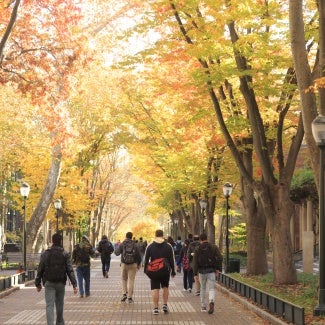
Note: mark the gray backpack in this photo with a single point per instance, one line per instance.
(128, 254)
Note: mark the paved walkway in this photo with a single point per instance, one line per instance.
(26, 306)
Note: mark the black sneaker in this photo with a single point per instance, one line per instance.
(124, 297)
(165, 309)
(155, 311)
(130, 300)
(211, 308)
(197, 293)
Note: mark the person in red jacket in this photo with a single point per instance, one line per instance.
(157, 249)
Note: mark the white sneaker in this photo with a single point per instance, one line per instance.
(165, 309)
(189, 290)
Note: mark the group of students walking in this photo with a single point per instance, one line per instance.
(204, 262)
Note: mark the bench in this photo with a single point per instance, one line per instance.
(32, 259)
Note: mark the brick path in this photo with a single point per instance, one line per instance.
(26, 306)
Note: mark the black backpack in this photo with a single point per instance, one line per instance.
(206, 256)
(128, 254)
(55, 265)
(106, 247)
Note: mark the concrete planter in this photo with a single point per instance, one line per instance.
(2, 284)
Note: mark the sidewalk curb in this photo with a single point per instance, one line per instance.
(13, 289)
(247, 304)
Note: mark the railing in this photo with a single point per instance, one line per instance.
(287, 310)
(17, 258)
(16, 279)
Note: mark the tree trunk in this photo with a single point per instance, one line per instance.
(39, 214)
(210, 227)
(304, 79)
(279, 209)
(255, 218)
(256, 227)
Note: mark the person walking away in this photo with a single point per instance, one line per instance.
(177, 248)
(81, 258)
(190, 253)
(142, 245)
(159, 248)
(184, 263)
(170, 241)
(130, 264)
(116, 245)
(54, 268)
(105, 248)
(207, 262)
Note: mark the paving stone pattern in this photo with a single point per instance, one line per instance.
(27, 306)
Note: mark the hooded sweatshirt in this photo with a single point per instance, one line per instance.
(83, 248)
(157, 249)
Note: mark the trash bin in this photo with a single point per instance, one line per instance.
(234, 265)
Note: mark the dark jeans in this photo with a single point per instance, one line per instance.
(188, 279)
(106, 263)
(83, 275)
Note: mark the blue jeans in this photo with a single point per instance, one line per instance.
(207, 280)
(83, 276)
(106, 263)
(54, 294)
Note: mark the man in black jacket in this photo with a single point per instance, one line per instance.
(207, 263)
(105, 248)
(157, 249)
(54, 267)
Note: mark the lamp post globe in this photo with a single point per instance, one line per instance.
(227, 190)
(24, 191)
(318, 129)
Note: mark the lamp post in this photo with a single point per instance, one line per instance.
(227, 190)
(203, 206)
(176, 225)
(24, 191)
(318, 129)
(57, 205)
(170, 226)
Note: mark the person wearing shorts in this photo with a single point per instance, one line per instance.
(157, 249)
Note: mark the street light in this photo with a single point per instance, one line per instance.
(227, 190)
(203, 205)
(57, 205)
(176, 224)
(24, 191)
(318, 129)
